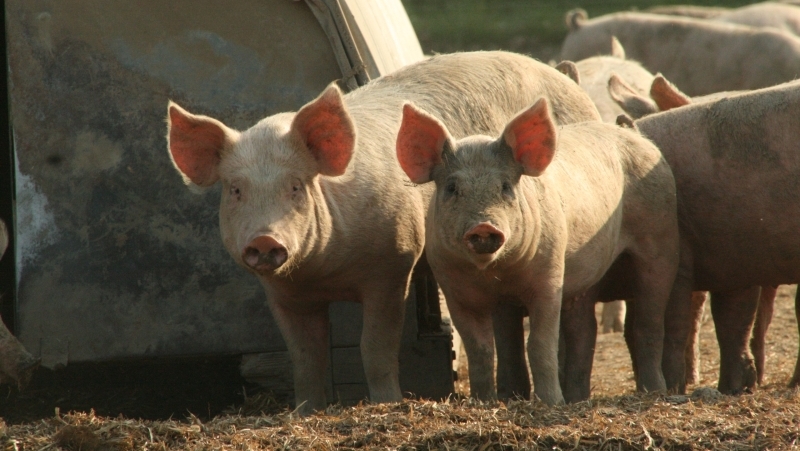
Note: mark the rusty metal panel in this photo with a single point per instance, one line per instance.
(115, 257)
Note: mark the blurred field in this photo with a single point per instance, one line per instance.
(533, 27)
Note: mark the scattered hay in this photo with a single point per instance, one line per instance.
(769, 419)
(614, 419)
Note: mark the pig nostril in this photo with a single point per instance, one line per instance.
(271, 257)
(277, 257)
(487, 243)
(251, 256)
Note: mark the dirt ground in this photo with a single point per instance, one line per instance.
(615, 417)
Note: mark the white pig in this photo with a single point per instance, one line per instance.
(315, 205)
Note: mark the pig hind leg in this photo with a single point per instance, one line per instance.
(655, 267)
(734, 313)
(766, 305)
(512, 371)
(579, 329)
(678, 323)
(692, 356)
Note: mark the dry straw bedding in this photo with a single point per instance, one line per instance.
(613, 419)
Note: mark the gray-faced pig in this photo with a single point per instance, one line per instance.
(539, 214)
(315, 205)
(16, 364)
(736, 165)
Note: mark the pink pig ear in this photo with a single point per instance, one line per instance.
(196, 144)
(420, 142)
(666, 95)
(532, 137)
(328, 131)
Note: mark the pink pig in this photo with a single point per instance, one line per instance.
(315, 205)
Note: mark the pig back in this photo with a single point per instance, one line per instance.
(699, 56)
(736, 163)
(471, 93)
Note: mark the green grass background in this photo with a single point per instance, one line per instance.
(534, 27)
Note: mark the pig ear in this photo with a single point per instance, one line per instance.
(625, 121)
(532, 137)
(666, 95)
(325, 127)
(420, 143)
(569, 69)
(196, 144)
(628, 99)
(617, 50)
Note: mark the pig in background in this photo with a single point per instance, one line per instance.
(16, 364)
(665, 96)
(315, 205)
(783, 16)
(592, 75)
(700, 56)
(539, 214)
(736, 165)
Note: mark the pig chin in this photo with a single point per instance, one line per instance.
(483, 261)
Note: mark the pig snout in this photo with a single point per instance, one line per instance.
(484, 238)
(264, 253)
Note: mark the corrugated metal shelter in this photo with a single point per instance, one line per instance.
(114, 257)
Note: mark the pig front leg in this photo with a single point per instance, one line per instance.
(509, 334)
(380, 342)
(472, 317)
(579, 328)
(544, 315)
(734, 313)
(766, 305)
(306, 332)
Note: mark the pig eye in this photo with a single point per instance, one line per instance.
(297, 188)
(450, 189)
(235, 192)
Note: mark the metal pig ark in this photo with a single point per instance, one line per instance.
(113, 258)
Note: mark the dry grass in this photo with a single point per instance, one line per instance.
(614, 418)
